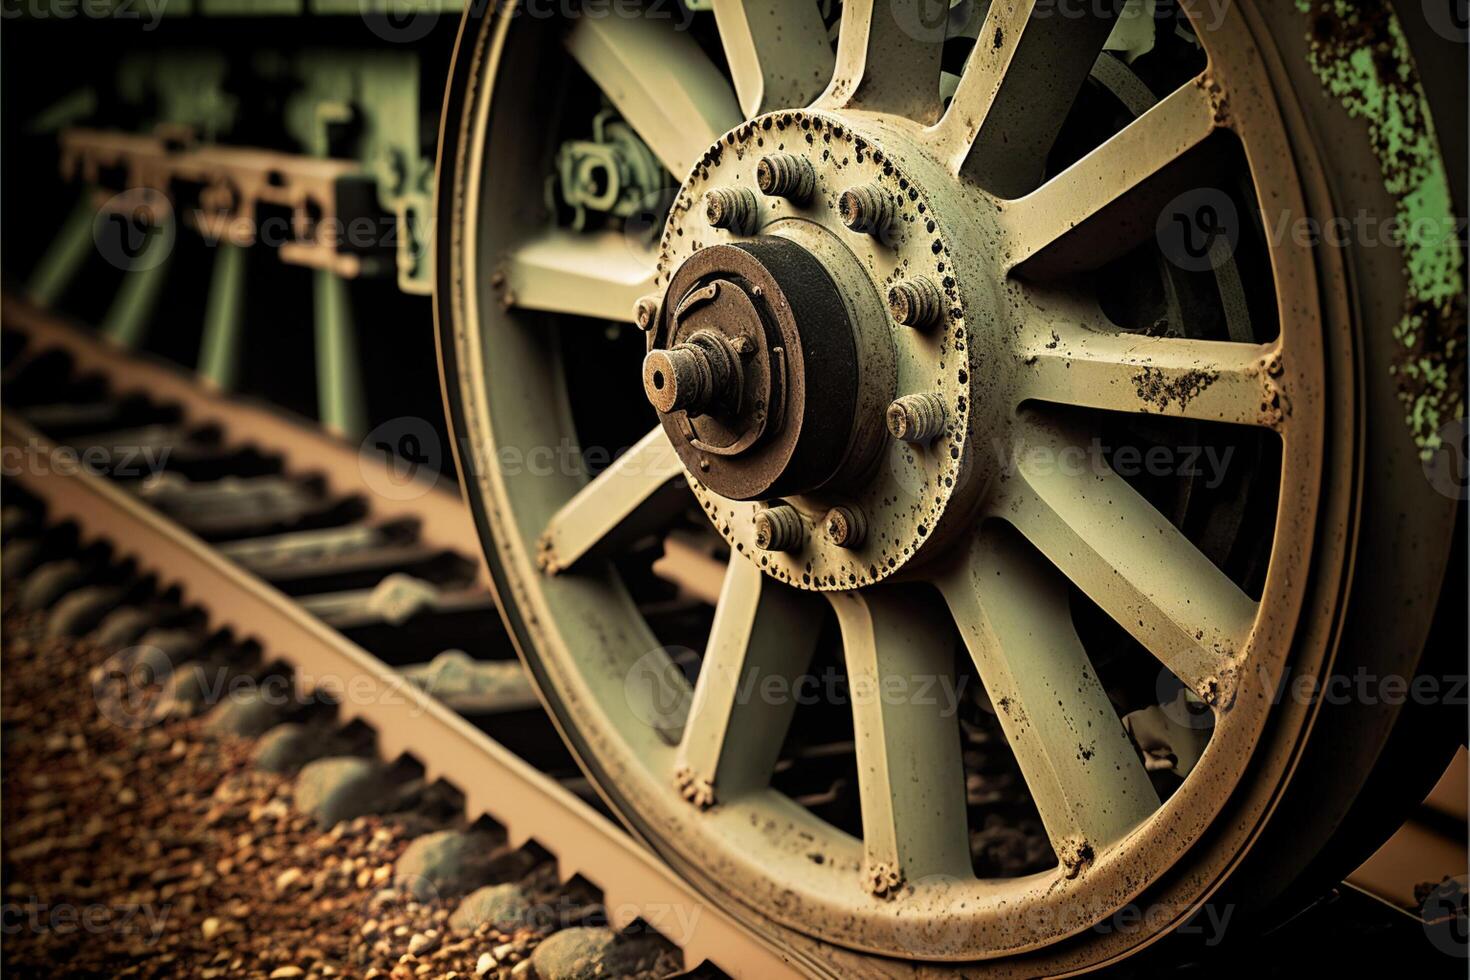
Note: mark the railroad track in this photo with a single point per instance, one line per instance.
(528, 802)
(284, 591)
(985, 356)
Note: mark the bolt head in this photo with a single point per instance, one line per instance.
(916, 302)
(645, 313)
(779, 528)
(867, 209)
(917, 418)
(732, 208)
(846, 526)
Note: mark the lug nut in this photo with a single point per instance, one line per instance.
(694, 376)
(645, 313)
(786, 175)
(846, 526)
(779, 528)
(916, 418)
(866, 208)
(731, 208)
(916, 302)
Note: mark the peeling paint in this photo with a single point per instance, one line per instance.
(883, 880)
(1362, 58)
(695, 788)
(1159, 388)
(1075, 854)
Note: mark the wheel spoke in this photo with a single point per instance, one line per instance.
(661, 82)
(778, 51)
(910, 777)
(1108, 202)
(1207, 380)
(597, 275)
(1018, 85)
(762, 629)
(629, 497)
(888, 58)
(1130, 560)
(1084, 773)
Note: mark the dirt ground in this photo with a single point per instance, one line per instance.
(162, 851)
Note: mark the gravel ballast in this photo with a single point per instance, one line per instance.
(135, 846)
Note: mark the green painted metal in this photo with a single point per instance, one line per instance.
(1363, 59)
(129, 316)
(340, 404)
(180, 88)
(381, 89)
(251, 8)
(612, 173)
(219, 352)
(65, 256)
(70, 109)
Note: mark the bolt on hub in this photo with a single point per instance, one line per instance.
(822, 441)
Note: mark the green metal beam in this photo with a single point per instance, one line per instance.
(66, 254)
(339, 395)
(128, 318)
(219, 350)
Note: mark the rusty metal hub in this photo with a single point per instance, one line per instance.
(753, 370)
(810, 350)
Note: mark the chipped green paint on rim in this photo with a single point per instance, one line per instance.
(1362, 58)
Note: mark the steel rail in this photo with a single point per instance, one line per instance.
(528, 804)
(445, 523)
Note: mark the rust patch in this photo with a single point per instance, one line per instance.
(1219, 101)
(1160, 389)
(695, 788)
(1218, 691)
(546, 560)
(883, 880)
(1360, 54)
(1075, 855)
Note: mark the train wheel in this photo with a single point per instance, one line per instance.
(1003, 460)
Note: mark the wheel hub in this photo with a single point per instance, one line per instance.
(809, 358)
(753, 369)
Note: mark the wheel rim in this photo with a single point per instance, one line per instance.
(905, 887)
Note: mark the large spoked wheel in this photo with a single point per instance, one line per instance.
(1001, 469)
